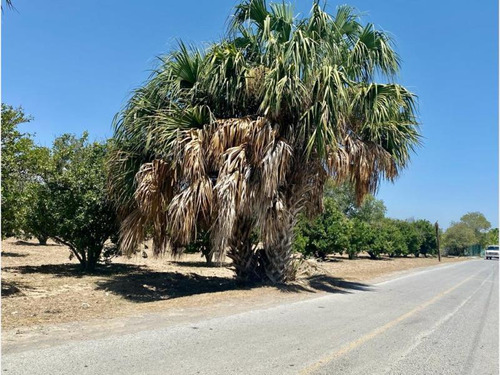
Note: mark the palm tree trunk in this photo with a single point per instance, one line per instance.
(242, 252)
(208, 254)
(277, 257)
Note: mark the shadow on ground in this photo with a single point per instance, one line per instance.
(13, 255)
(36, 244)
(74, 270)
(12, 288)
(154, 286)
(334, 258)
(201, 264)
(140, 284)
(148, 286)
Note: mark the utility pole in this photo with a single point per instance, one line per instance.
(437, 240)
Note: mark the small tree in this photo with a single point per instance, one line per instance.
(327, 234)
(75, 207)
(370, 210)
(36, 197)
(395, 240)
(17, 163)
(361, 239)
(381, 240)
(387, 239)
(479, 224)
(458, 237)
(492, 237)
(411, 238)
(427, 234)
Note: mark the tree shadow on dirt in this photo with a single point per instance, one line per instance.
(201, 263)
(75, 270)
(323, 283)
(140, 284)
(334, 258)
(148, 286)
(36, 244)
(13, 288)
(13, 255)
(155, 286)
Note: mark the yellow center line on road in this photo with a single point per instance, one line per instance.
(369, 336)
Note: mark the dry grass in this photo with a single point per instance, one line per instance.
(41, 285)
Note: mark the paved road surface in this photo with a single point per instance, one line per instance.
(442, 320)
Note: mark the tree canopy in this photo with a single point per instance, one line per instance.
(75, 204)
(18, 165)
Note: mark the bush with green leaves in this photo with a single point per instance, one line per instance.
(327, 234)
(73, 203)
(370, 210)
(17, 165)
(361, 239)
(471, 230)
(427, 237)
(492, 237)
(458, 237)
(410, 239)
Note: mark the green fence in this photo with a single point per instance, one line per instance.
(474, 250)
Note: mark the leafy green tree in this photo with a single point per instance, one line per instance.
(458, 237)
(427, 236)
(492, 237)
(361, 239)
(344, 195)
(396, 241)
(410, 238)
(327, 234)
(479, 224)
(381, 240)
(74, 206)
(476, 221)
(34, 223)
(17, 166)
(388, 239)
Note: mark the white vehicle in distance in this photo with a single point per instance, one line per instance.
(491, 252)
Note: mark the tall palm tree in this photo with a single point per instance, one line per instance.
(240, 138)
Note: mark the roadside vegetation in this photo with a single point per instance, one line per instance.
(258, 153)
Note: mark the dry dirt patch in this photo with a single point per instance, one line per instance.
(41, 285)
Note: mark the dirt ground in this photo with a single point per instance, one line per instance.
(40, 285)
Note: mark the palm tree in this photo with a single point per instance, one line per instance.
(240, 138)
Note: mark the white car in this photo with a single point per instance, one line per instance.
(491, 252)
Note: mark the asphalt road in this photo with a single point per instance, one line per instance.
(441, 320)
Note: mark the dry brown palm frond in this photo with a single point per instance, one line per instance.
(154, 188)
(232, 196)
(271, 219)
(187, 208)
(152, 195)
(260, 138)
(227, 134)
(193, 156)
(362, 163)
(274, 167)
(310, 199)
(237, 131)
(132, 231)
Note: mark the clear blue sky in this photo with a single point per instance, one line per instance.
(72, 65)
